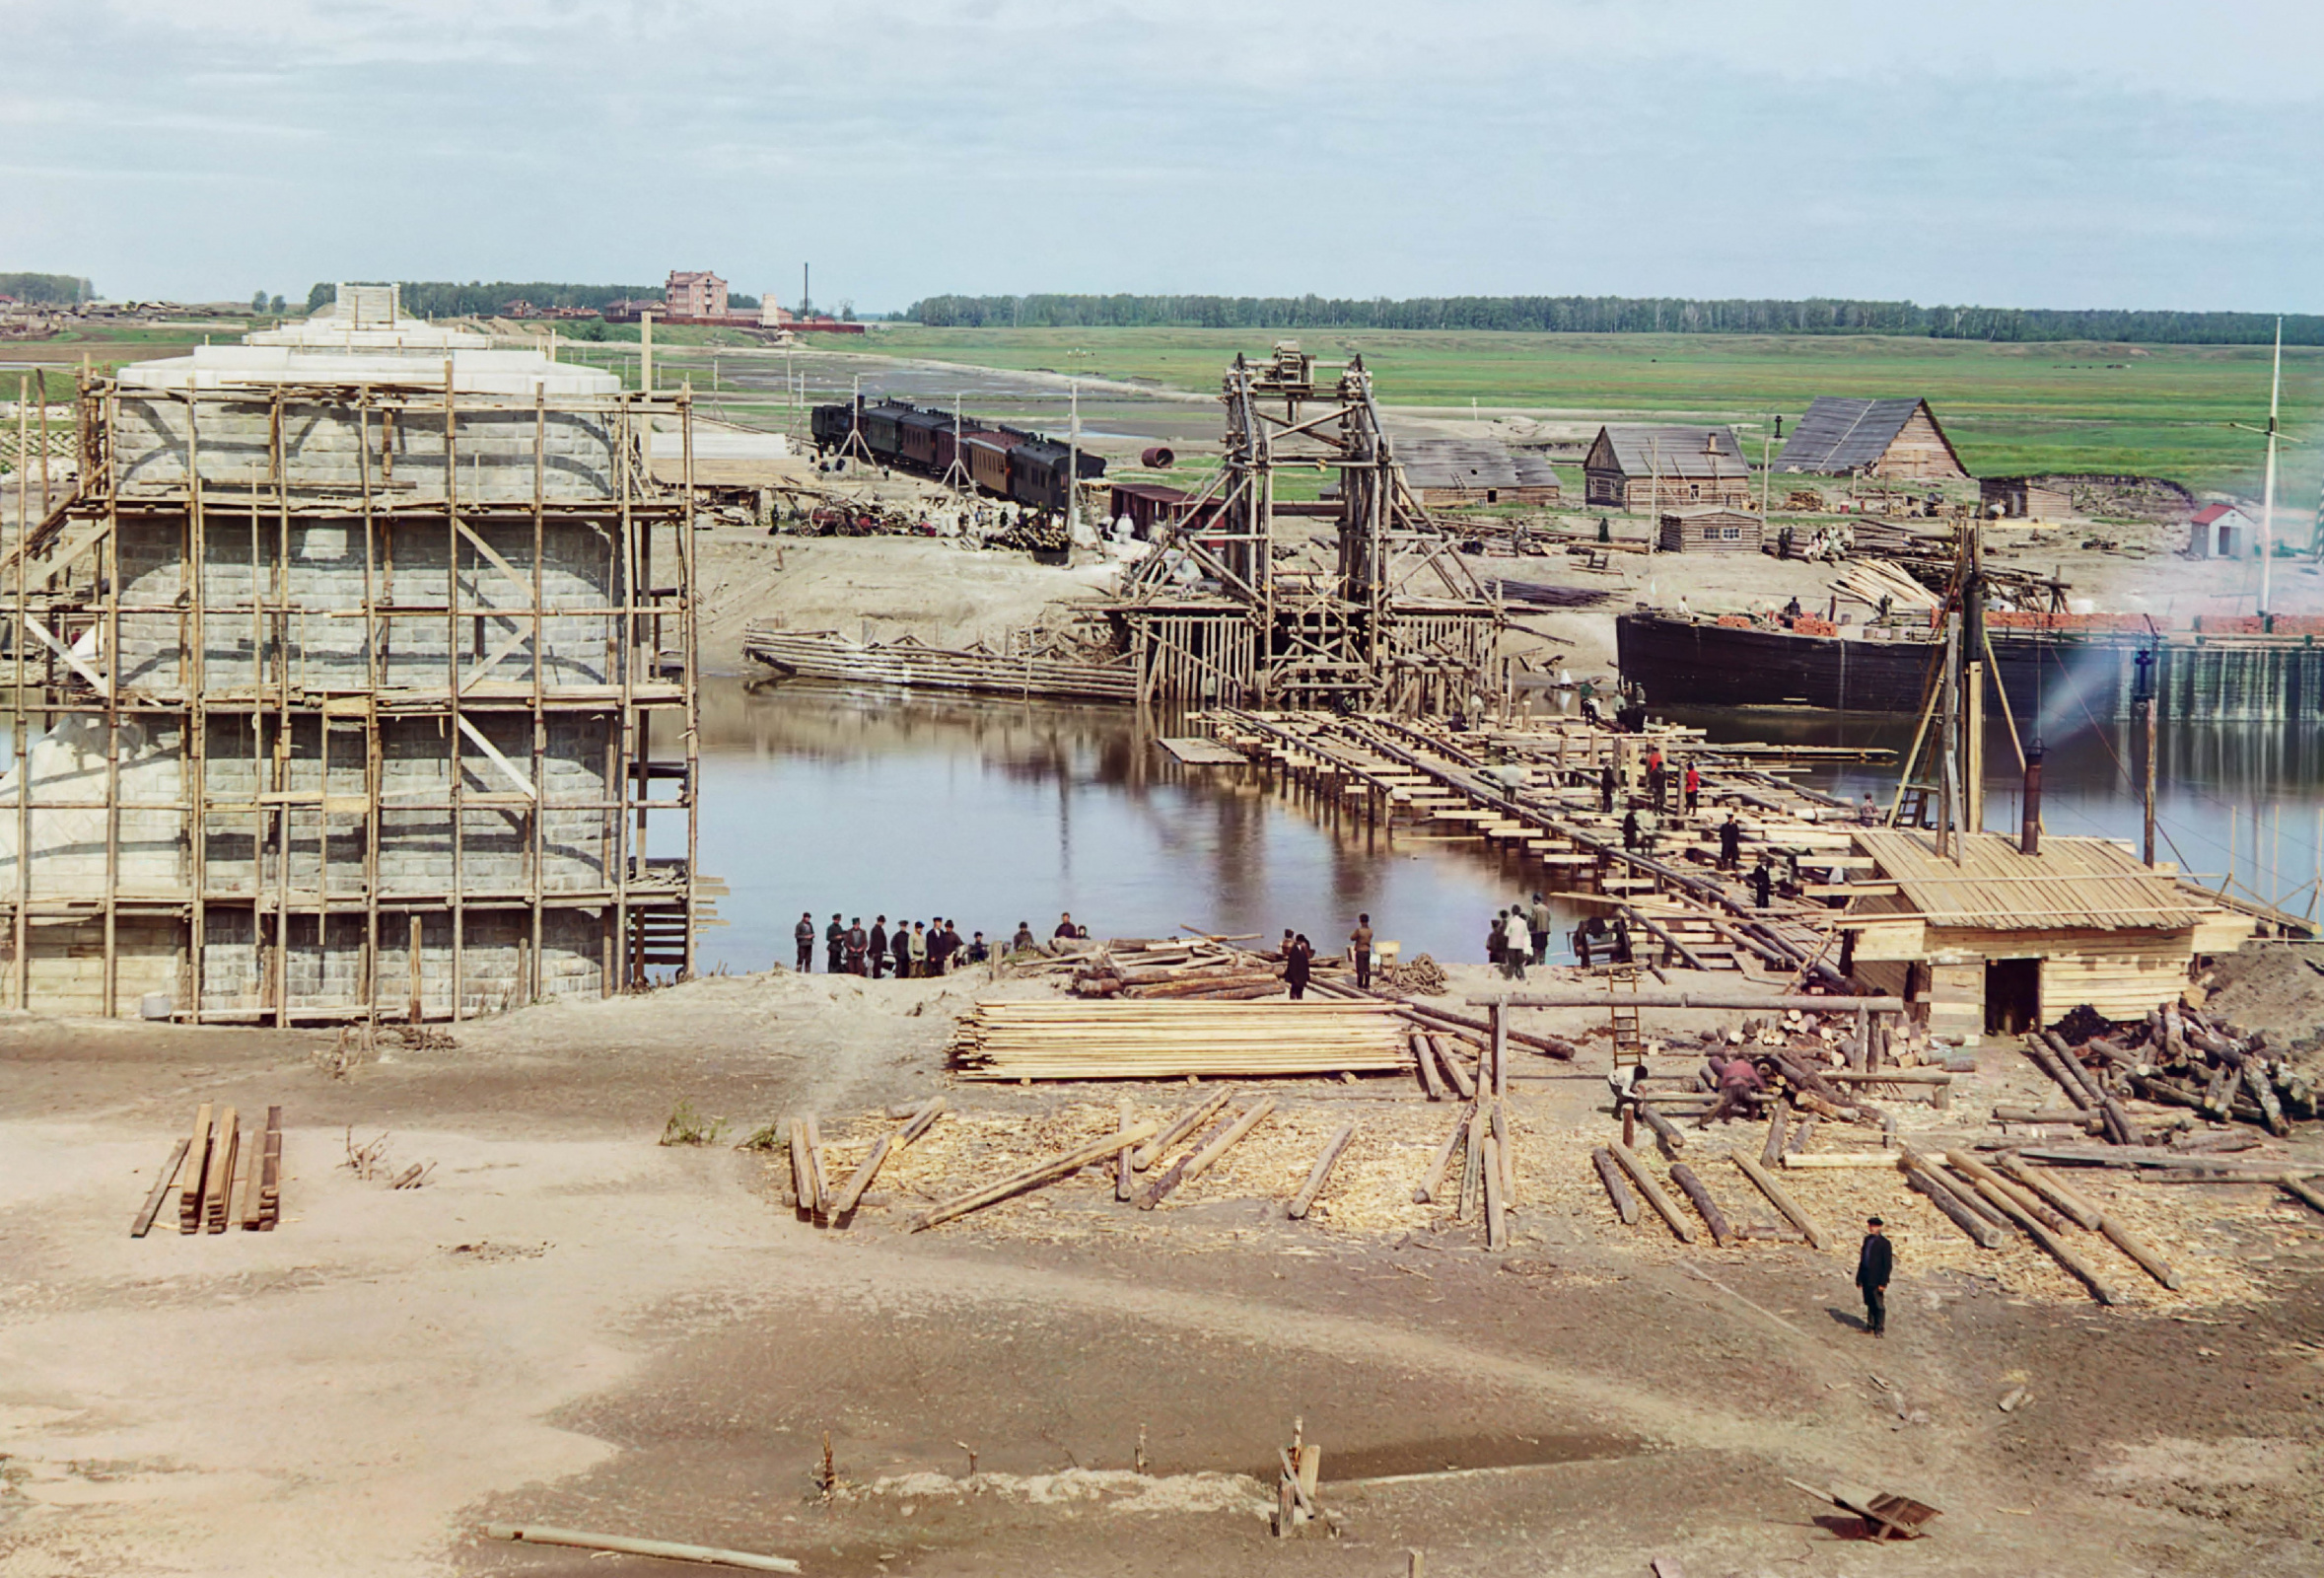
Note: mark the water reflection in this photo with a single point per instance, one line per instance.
(994, 813)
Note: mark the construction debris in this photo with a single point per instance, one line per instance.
(541, 1534)
(223, 1172)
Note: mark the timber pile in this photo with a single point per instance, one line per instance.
(223, 1173)
(827, 655)
(2178, 1056)
(1200, 970)
(1112, 1039)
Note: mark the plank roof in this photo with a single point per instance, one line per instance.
(1839, 435)
(1456, 463)
(1688, 454)
(2073, 883)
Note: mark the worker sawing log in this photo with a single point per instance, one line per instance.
(1057, 1165)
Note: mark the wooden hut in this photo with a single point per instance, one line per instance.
(1652, 468)
(2025, 498)
(1710, 532)
(2003, 941)
(1448, 473)
(1898, 439)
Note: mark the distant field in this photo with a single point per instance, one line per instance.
(2160, 411)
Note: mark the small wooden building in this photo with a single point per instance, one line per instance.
(1898, 439)
(2003, 941)
(1710, 532)
(2221, 531)
(1449, 472)
(1653, 468)
(2025, 498)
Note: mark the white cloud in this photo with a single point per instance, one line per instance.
(2053, 153)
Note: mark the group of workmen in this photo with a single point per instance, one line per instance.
(907, 951)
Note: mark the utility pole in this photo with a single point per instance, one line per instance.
(2268, 504)
(1073, 465)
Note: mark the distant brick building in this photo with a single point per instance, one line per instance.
(694, 293)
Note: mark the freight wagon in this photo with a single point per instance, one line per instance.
(1005, 462)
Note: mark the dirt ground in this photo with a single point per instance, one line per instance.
(569, 1322)
(939, 593)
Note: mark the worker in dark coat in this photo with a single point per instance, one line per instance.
(1630, 830)
(1024, 940)
(1066, 927)
(1621, 955)
(1874, 1260)
(1762, 883)
(899, 949)
(804, 934)
(1296, 964)
(835, 944)
(858, 940)
(878, 954)
(1730, 843)
(1605, 788)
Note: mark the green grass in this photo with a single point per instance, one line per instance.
(2159, 411)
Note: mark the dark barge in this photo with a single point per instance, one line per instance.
(2061, 675)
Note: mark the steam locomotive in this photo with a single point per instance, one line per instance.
(1005, 462)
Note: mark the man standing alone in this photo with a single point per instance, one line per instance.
(1873, 1261)
(1360, 947)
(804, 934)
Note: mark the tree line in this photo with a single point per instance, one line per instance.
(1614, 314)
(430, 298)
(47, 290)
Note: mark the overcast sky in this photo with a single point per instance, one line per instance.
(2132, 153)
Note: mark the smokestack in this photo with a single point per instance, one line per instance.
(2029, 838)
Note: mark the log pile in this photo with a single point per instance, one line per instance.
(223, 1174)
(2178, 1056)
(1198, 970)
(1113, 1038)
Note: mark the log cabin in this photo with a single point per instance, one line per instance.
(1653, 468)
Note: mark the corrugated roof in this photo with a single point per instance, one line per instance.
(2073, 883)
(1839, 435)
(1691, 454)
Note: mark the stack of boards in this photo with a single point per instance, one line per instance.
(1111, 1038)
(222, 1173)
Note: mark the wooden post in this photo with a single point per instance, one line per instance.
(1498, 1013)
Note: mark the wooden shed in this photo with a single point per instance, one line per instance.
(2221, 531)
(1653, 468)
(2025, 498)
(1710, 532)
(2003, 941)
(1445, 472)
(1898, 439)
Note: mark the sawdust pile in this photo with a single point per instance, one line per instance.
(2277, 988)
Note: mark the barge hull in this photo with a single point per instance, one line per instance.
(2060, 678)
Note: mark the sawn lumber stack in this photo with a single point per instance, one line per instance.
(1115, 1039)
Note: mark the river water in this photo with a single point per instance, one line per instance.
(992, 812)
(996, 812)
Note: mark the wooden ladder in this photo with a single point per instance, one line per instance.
(1913, 808)
(1629, 1043)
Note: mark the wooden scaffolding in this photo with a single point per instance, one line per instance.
(1229, 612)
(338, 700)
